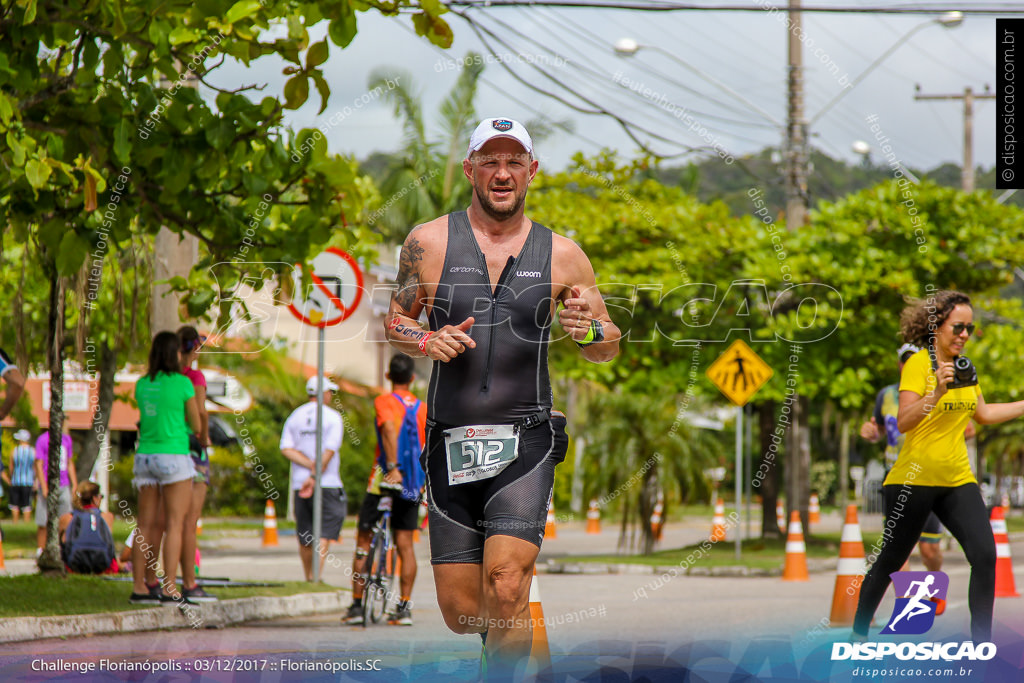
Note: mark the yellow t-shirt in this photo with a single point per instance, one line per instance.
(934, 452)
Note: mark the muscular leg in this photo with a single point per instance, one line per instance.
(963, 512)
(359, 563)
(459, 595)
(507, 573)
(931, 555)
(306, 556)
(407, 554)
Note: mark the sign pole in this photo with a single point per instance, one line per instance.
(317, 492)
(335, 295)
(739, 473)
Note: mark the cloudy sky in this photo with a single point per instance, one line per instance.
(569, 52)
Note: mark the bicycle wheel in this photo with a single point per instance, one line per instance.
(376, 591)
(371, 593)
(389, 580)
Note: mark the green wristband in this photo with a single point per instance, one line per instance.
(594, 334)
(589, 339)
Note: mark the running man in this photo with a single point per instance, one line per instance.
(489, 280)
(915, 605)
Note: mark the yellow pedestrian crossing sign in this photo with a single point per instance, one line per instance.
(739, 373)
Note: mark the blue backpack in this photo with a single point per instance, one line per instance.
(89, 545)
(409, 448)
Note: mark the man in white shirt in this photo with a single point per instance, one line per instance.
(298, 444)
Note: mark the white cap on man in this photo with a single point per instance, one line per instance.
(499, 128)
(22, 435)
(311, 386)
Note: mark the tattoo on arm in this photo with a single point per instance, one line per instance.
(414, 333)
(408, 274)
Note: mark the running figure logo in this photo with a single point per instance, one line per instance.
(917, 595)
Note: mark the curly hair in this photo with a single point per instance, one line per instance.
(922, 317)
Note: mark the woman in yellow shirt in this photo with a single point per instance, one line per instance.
(932, 472)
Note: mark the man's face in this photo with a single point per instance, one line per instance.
(501, 172)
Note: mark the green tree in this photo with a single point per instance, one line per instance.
(423, 181)
(100, 137)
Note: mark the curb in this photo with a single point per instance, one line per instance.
(733, 571)
(208, 615)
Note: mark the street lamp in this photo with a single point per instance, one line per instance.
(627, 47)
(947, 19)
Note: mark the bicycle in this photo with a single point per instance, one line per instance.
(381, 560)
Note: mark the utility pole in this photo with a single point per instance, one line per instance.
(798, 442)
(174, 255)
(968, 96)
(796, 137)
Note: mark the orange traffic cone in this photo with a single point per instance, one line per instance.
(540, 651)
(780, 516)
(718, 522)
(813, 510)
(199, 527)
(1005, 586)
(593, 518)
(796, 552)
(848, 573)
(269, 525)
(549, 525)
(656, 517)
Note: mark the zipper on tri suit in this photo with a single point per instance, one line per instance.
(505, 274)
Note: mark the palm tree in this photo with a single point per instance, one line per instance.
(420, 184)
(642, 447)
(423, 181)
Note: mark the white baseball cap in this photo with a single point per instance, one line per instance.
(22, 435)
(905, 350)
(311, 385)
(499, 128)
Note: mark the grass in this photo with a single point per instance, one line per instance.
(34, 595)
(20, 538)
(755, 553)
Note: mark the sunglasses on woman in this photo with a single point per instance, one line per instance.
(958, 329)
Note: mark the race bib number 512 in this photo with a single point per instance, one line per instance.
(479, 452)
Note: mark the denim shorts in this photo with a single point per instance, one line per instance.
(162, 468)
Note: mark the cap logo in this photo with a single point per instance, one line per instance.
(503, 125)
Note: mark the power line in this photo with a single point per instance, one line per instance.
(1000, 10)
(602, 80)
(626, 126)
(504, 91)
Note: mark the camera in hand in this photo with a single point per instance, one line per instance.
(964, 373)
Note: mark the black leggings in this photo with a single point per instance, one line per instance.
(962, 510)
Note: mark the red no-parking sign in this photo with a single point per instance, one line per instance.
(336, 291)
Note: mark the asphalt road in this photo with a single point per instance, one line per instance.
(601, 627)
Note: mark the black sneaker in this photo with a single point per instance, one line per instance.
(402, 616)
(355, 616)
(144, 599)
(172, 600)
(197, 594)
